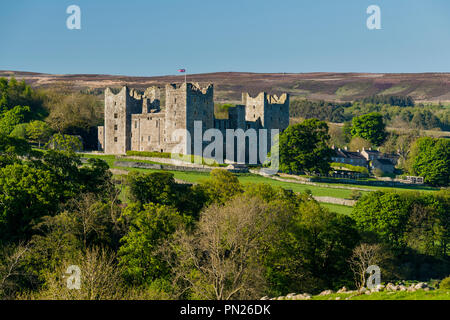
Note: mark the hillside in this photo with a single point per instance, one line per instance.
(433, 87)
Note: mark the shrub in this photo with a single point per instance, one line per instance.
(149, 154)
(355, 195)
(350, 167)
(445, 283)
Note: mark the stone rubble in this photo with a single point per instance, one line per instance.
(389, 287)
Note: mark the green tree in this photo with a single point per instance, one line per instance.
(149, 228)
(26, 194)
(384, 215)
(303, 148)
(220, 187)
(370, 127)
(64, 142)
(311, 252)
(38, 131)
(430, 158)
(12, 118)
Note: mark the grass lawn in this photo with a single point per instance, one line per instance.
(320, 191)
(338, 208)
(441, 294)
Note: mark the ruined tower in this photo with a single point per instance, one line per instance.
(185, 104)
(118, 110)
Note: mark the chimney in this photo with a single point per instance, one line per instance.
(357, 150)
(345, 148)
(364, 148)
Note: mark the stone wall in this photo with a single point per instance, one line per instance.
(134, 121)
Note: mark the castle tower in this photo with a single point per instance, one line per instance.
(151, 100)
(268, 111)
(118, 110)
(185, 104)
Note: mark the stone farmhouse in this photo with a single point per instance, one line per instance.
(371, 159)
(136, 121)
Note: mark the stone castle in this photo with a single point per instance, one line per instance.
(135, 121)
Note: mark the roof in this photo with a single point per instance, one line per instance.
(371, 151)
(385, 162)
(339, 153)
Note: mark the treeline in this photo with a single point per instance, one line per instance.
(37, 115)
(401, 101)
(397, 111)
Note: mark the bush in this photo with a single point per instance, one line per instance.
(359, 169)
(445, 283)
(186, 158)
(149, 154)
(355, 195)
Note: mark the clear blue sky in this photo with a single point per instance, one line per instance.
(156, 37)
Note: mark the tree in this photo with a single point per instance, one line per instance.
(161, 188)
(64, 142)
(11, 259)
(311, 253)
(430, 158)
(303, 148)
(26, 194)
(364, 255)
(74, 114)
(14, 93)
(13, 117)
(220, 187)
(370, 127)
(221, 258)
(383, 214)
(149, 228)
(154, 187)
(38, 131)
(100, 278)
(358, 143)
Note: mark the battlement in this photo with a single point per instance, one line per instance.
(265, 98)
(274, 99)
(189, 87)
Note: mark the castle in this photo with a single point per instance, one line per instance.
(135, 121)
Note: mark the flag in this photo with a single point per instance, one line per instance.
(181, 70)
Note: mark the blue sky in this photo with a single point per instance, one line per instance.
(156, 37)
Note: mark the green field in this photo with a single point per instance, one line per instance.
(320, 191)
(337, 208)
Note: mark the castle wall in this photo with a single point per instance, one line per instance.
(147, 132)
(175, 111)
(136, 122)
(199, 107)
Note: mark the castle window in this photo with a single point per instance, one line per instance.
(157, 122)
(148, 138)
(115, 139)
(175, 100)
(135, 124)
(115, 127)
(115, 115)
